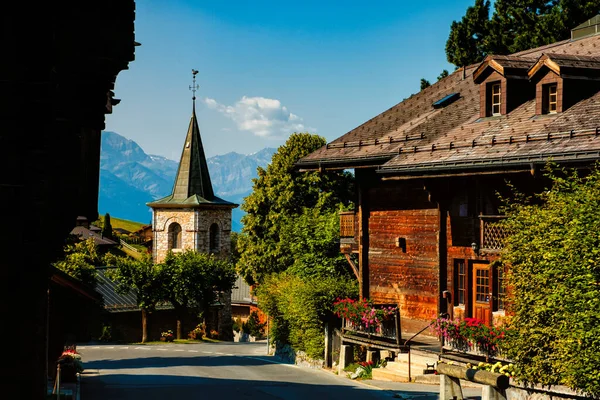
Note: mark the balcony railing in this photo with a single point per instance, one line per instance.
(348, 232)
(347, 224)
(385, 335)
(492, 232)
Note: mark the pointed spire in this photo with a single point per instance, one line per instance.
(192, 186)
(192, 175)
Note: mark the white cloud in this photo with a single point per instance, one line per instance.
(259, 115)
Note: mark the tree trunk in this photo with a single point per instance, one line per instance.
(144, 326)
(178, 327)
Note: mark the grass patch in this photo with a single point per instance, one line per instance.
(351, 367)
(131, 226)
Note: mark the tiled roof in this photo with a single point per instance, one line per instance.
(575, 61)
(240, 294)
(84, 233)
(115, 301)
(413, 135)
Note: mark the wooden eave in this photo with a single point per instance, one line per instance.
(543, 61)
(62, 279)
(479, 73)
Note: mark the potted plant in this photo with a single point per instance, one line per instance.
(70, 365)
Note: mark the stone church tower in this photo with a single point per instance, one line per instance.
(192, 217)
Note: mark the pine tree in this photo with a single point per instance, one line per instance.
(517, 25)
(466, 43)
(425, 83)
(442, 74)
(107, 230)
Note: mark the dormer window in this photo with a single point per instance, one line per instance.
(503, 84)
(496, 96)
(550, 99)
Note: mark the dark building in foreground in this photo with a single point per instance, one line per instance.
(59, 65)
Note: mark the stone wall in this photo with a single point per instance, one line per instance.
(195, 230)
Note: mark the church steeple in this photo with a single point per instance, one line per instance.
(192, 182)
(192, 176)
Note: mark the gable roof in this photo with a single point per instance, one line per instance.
(560, 63)
(84, 233)
(412, 136)
(114, 300)
(504, 65)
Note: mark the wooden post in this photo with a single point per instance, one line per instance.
(363, 239)
(144, 326)
(491, 393)
(499, 381)
(373, 355)
(328, 344)
(346, 357)
(398, 326)
(450, 388)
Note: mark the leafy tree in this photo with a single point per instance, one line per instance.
(107, 230)
(193, 282)
(313, 247)
(442, 74)
(425, 83)
(554, 283)
(566, 15)
(466, 44)
(280, 192)
(142, 276)
(80, 261)
(516, 25)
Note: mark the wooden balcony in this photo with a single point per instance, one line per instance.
(492, 233)
(348, 232)
(386, 335)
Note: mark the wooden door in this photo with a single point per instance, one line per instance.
(482, 288)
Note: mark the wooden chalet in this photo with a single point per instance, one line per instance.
(425, 234)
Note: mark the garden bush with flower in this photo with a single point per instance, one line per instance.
(362, 313)
(71, 358)
(167, 336)
(470, 334)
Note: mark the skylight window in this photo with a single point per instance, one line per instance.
(446, 100)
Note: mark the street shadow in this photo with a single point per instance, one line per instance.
(205, 360)
(151, 387)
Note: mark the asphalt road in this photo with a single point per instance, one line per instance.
(214, 371)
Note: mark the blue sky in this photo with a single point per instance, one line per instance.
(269, 68)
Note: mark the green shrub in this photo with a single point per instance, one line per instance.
(298, 307)
(253, 326)
(554, 284)
(237, 324)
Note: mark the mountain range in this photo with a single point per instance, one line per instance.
(129, 178)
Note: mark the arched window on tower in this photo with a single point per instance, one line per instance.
(174, 236)
(214, 239)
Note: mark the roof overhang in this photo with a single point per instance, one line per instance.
(343, 163)
(487, 166)
(543, 61)
(508, 67)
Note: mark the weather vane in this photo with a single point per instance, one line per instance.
(194, 86)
